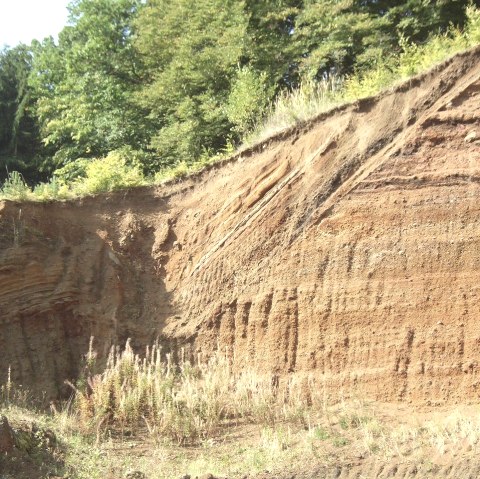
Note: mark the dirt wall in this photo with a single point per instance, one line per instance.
(346, 248)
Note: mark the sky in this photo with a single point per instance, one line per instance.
(24, 20)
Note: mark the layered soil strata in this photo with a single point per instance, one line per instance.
(347, 249)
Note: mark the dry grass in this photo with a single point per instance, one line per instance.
(292, 107)
(234, 423)
(337, 435)
(184, 402)
(205, 403)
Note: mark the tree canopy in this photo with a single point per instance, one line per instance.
(170, 81)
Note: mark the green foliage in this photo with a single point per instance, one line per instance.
(107, 174)
(53, 189)
(369, 83)
(183, 169)
(413, 58)
(340, 441)
(72, 171)
(290, 107)
(472, 30)
(248, 100)
(15, 188)
(171, 83)
(337, 35)
(270, 48)
(80, 178)
(19, 136)
(85, 83)
(347, 35)
(416, 58)
(191, 51)
(313, 97)
(321, 433)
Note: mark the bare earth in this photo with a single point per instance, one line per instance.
(347, 248)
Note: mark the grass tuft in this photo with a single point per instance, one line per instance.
(183, 402)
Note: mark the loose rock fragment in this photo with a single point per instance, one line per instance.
(472, 136)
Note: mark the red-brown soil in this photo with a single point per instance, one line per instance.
(347, 247)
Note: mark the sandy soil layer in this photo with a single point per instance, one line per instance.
(347, 248)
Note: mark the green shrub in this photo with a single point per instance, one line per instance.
(108, 174)
(72, 171)
(15, 187)
(370, 83)
(313, 97)
(54, 189)
(472, 30)
(248, 99)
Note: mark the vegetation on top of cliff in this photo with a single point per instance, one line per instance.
(135, 93)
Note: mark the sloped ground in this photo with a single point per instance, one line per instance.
(346, 248)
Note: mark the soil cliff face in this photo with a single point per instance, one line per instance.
(347, 248)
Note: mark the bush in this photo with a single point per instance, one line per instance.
(72, 171)
(15, 187)
(108, 174)
(313, 97)
(472, 30)
(370, 83)
(54, 189)
(248, 99)
(81, 177)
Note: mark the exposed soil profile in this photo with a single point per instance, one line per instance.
(347, 248)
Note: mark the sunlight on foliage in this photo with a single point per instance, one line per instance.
(247, 109)
(108, 174)
(315, 97)
(301, 104)
(248, 99)
(80, 178)
(15, 188)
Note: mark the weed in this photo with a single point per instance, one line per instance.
(15, 188)
(301, 104)
(250, 448)
(185, 402)
(320, 433)
(276, 439)
(340, 441)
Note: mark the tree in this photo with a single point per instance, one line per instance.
(271, 26)
(192, 50)
(86, 82)
(340, 36)
(174, 81)
(19, 138)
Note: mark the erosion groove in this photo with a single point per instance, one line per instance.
(346, 249)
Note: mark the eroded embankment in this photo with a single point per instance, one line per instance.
(348, 248)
